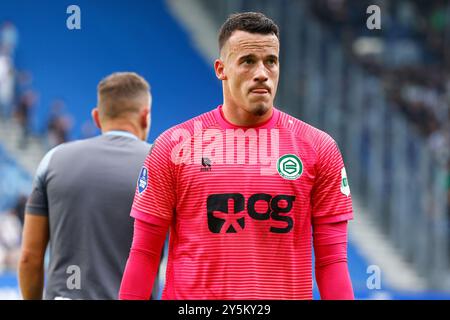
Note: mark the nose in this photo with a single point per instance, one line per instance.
(261, 73)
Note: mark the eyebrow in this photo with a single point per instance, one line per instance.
(247, 56)
(251, 55)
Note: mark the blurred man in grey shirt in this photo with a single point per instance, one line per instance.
(81, 200)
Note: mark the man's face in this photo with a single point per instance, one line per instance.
(249, 68)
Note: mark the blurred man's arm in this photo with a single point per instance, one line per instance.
(330, 248)
(31, 264)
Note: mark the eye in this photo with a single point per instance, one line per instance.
(249, 61)
(271, 62)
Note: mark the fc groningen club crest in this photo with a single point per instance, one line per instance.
(290, 167)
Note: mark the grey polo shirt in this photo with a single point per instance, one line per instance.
(86, 189)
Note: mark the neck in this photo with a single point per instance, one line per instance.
(242, 118)
(122, 126)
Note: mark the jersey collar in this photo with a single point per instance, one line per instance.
(121, 134)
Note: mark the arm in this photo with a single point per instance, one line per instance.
(143, 262)
(153, 208)
(331, 209)
(330, 248)
(31, 263)
(35, 234)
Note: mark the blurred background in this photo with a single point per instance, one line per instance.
(384, 95)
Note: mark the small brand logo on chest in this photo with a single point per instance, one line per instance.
(206, 165)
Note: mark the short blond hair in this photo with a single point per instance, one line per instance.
(122, 93)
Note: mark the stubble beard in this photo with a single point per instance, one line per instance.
(260, 110)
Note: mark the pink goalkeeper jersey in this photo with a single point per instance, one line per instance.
(241, 203)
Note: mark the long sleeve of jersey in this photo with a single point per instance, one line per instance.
(330, 247)
(143, 261)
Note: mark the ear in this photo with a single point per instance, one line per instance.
(96, 117)
(144, 118)
(219, 67)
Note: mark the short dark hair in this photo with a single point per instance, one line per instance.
(120, 93)
(252, 22)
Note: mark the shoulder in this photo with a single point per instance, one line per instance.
(309, 134)
(45, 163)
(142, 146)
(187, 129)
(67, 152)
(74, 146)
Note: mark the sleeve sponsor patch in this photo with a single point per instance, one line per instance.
(143, 180)
(345, 188)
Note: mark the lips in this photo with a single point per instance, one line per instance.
(260, 90)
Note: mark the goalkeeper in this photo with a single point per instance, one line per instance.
(245, 190)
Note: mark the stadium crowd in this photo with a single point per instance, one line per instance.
(10, 227)
(414, 63)
(17, 101)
